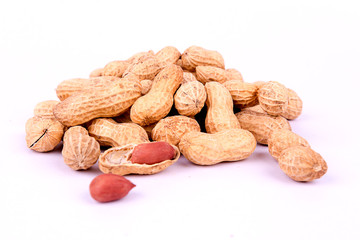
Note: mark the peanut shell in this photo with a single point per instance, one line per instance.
(293, 107)
(233, 74)
(168, 55)
(190, 98)
(272, 97)
(146, 67)
(197, 56)
(243, 94)
(115, 68)
(209, 73)
(45, 108)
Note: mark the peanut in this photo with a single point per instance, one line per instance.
(98, 72)
(272, 97)
(89, 104)
(43, 134)
(80, 151)
(209, 149)
(302, 163)
(168, 55)
(220, 115)
(45, 108)
(171, 129)
(293, 107)
(134, 58)
(233, 74)
(243, 94)
(145, 67)
(188, 77)
(116, 160)
(157, 103)
(209, 73)
(110, 133)
(145, 86)
(197, 56)
(115, 68)
(282, 139)
(72, 86)
(109, 187)
(190, 98)
(152, 153)
(261, 124)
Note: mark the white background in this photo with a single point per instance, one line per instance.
(310, 46)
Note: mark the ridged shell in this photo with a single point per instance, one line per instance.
(282, 139)
(134, 58)
(115, 160)
(293, 107)
(243, 94)
(190, 98)
(302, 163)
(188, 77)
(208, 73)
(45, 108)
(220, 115)
(145, 86)
(71, 86)
(146, 67)
(209, 149)
(43, 134)
(157, 103)
(171, 129)
(168, 55)
(260, 124)
(197, 56)
(110, 133)
(272, 97)
(109, 101)
(115, 68)
(80, 151)
(98, 72)
(233, 74)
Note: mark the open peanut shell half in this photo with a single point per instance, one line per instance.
(117, 160)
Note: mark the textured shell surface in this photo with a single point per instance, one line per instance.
(260, 124)
(71, 86)
(45, 108)
(115, 68)
(209, 73)
(80, 151)
(157, 103)
(43, 134)
(190, 98)
(197, 56)
(209, 149)
(168, 55)
(188, 77)
(145, 67)
(220, 115)
(171, 129)
(145, 86)
(134, 58)
(242, 93)
(272, 97)
(233, 74)
(282, 139)
(109, 101)
(116, 160)
(98, 72)
(302, 163)
(293, 107)
(110, 133)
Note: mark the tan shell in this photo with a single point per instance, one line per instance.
(71, 86)
(157, 103)
(293, 107)
(45, 108)
(98, 72)
(146, 67)
(124, 117)
(243, 94)
(80, 151)
(136, 56)
(190, 98)
(115, 68)
(260, 124)
(197, 56)
(116, 160)
(259, 84)
(179, 63)
(272, 97)
(109, 101)
(302, 163)
(145, 86)
(110, 133)
(209, 149)
(171, 129)
(220, 115)
(43, 134)
(188, 77)
(208, 73)
(282, 139)
(233, 74)
(168, 55)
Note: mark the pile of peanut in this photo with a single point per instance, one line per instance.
(149, 109)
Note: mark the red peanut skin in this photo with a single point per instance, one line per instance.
(109, 187)
(151, 153)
